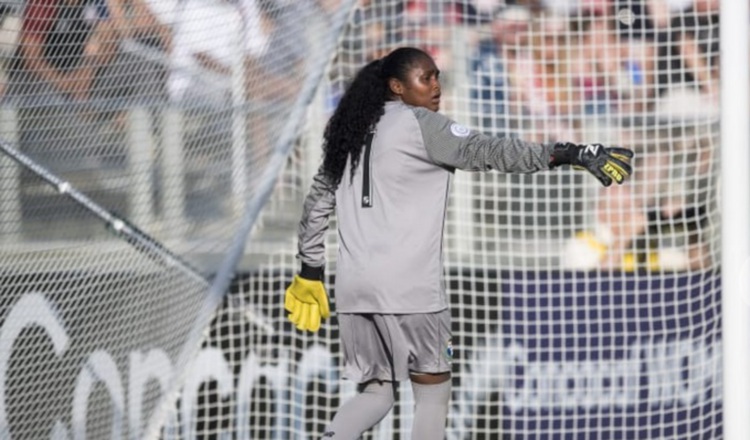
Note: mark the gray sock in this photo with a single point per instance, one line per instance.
(361, 412)
(430, 410)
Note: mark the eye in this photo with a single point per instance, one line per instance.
(429, 77)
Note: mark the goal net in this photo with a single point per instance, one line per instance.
(138, 141)
(128, 198)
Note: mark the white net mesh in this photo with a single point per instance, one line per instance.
(138, 139)
(578, 312)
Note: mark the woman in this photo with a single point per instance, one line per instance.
(388, 162)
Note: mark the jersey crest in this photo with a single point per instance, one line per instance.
(449, 350)
(459, 130)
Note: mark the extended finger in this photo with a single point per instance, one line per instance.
(325, 309)
(622, 166)
(322, 300)
(289, 301)
(304, 319)
(614, 174)
(313, 319)
(297, 312)
(624, 152)
(602, 176)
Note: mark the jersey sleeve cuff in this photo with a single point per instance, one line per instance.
(312, 272)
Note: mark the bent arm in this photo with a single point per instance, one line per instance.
(75, 82)
(318, 207)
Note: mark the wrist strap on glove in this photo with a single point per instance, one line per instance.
(312, 273)
(566, 154)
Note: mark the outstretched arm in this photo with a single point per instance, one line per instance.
(455, 146)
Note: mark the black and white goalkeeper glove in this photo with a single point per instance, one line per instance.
(607, 164)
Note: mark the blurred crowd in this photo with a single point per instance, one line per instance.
(557, 61)
(155, 49)
(550, 70)
(648, 67)
(88, 79)
(541, 69)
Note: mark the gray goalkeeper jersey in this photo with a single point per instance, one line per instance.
(391, 213)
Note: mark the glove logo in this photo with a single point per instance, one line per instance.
(592, 149)
(459, 130)
(609, 169)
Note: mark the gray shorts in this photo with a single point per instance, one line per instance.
(418, 343)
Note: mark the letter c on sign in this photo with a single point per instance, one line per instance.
(31, 310)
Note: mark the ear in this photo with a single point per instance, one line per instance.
(395, 86)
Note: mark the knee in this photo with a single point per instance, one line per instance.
(433, 393)
(382, 391)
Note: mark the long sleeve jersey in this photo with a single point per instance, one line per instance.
(391, 212)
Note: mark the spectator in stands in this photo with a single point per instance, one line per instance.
(283, 62)
(207, 38)
(67, 85)
(613, 74)
(62, 46)
(696, 32)
(542, 77)
(689, 61)
(561, 8)
(10, 26)
(72, 49)
(657, 222)
(490, 66)
(370, 35)
(643, 18)
(74, 85)
(136, 23)
(212, 35)
(425, 25)
(276, 77)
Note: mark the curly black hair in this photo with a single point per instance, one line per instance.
(360, 109)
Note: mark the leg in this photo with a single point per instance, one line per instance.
(432, 393)
(361, 412)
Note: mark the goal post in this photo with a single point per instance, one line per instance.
(735, 135)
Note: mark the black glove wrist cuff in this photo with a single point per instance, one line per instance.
(312, 273)
(564, 154)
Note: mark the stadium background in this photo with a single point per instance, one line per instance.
(148, 216)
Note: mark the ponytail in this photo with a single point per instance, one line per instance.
(358, 111)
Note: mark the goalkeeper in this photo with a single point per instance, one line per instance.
(386, 172)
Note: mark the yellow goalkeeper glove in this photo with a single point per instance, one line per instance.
(606, 164)
(306, 301)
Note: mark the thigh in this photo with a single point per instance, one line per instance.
(388, 347)
(367, 343)
(429, 341)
